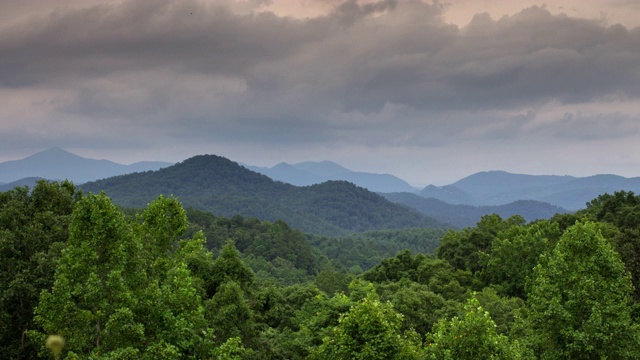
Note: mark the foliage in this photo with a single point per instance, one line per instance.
(464, 249)
(514, 253)
(437, 274)
(259, 239)
(579, 299)
(370, 330)
(421, 308)
(505, 311)
(228, 313)
(621, 209)
(218, 185)
(112, 296)
(367, 249)
(470, 337)
(228, 266)
(33, 231)
(232, 349)
(162, 282)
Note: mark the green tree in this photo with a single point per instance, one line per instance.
(464, 249)
(504, 311)
(164, 221)
(515, 252)
(331, 281)
(421, 308)
(470, 337)
(112, 299)
(621, 209)
(228, 313)
(228, 266)
(33, 231)
(95, 281)
(579, 299)
(370, 330)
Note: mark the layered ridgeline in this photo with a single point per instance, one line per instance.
(59, 164)
(462, 216)
(28, 181)
(312, 172)
(499, 188)
(218, 185)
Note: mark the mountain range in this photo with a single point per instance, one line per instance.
(492, 188)
(59, 164)
(462, 216)
(223, 187)
(311, 172)
(28, 181)
(460, 204)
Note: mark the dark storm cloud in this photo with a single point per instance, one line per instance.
(142, 34)
(388, 72)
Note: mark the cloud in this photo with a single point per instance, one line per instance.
(380, 73)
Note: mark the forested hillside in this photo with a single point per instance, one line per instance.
(467, 215)
(81, 279)
(310, 172)
(223, 187)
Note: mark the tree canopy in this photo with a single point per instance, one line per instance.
(161, 282)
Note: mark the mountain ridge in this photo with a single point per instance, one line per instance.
(223, 187)
(485, 188)
(492, 188)
(311, 172)
(468, 215)
(58, 164)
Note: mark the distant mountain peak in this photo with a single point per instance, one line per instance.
(322, 168)
(282, 165)
(56, 163)
(219, 185)
(315, 172)
(53, 152)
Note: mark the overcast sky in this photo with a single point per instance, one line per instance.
(430, 92)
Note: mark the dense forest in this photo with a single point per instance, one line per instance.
(221, 186)
(82, 278)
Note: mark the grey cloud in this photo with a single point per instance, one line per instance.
(377, 73)
(350, 11)
(404, 54)
(141, 34)
(600, 126)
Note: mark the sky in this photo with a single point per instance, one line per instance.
(427, 91)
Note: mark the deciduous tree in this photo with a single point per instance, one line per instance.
(579, 299)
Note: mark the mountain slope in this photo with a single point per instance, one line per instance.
(58, 164)
(325, 169)
(289, 174)
(30, 182)
(486, 183)
(310, 173)
(449, 194)
(494, 188)
(216, 184)
(467, 215)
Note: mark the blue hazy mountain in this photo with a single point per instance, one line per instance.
(58, 164)
(492, 188)
(449, 194)
(468, 215)
(311, 172)
(29, 181)
(288, 174)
